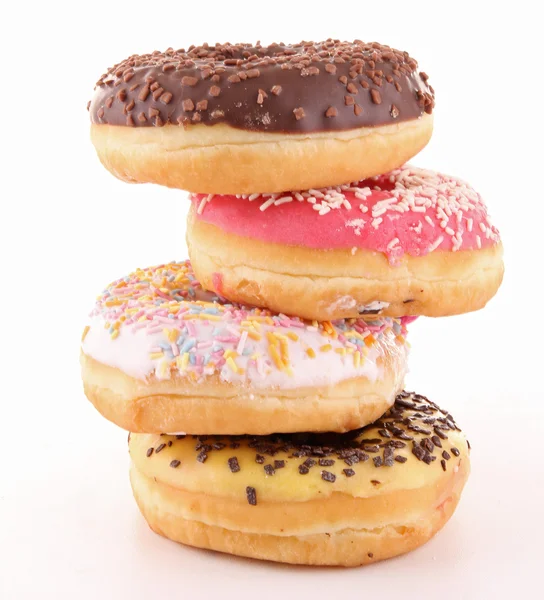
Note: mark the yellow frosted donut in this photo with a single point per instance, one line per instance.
(322, 499)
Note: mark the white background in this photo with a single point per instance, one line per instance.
(68, 525)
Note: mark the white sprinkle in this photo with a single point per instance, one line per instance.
(449, 231)
(429, 220)
(232, 330)
(363, 208)
(482, 227)
(203, 203)
(394, 242)
(253, 197)
(283, 200)
(266, 204)
(478, 241)
(242, 342)
(376, 222)
(469, 225)
(436, 243)
(357, 225)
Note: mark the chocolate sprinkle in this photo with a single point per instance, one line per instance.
(328, 476)
(251, 495)
(170, 81)
(376, 96)
(299, 113)
(410, 412)
(233, 464)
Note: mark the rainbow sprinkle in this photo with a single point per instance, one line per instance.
(200, 334)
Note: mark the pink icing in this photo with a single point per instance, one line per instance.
(409, 210)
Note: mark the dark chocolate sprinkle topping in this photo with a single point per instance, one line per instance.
(386, 440)
(328, 476)
(233, 464)
(285, 88)
(251, 495)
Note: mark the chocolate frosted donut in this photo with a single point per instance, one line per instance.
(357, 109)
(265, 88)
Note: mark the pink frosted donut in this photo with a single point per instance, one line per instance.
(410, 242)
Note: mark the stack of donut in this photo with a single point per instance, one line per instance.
(262, 381)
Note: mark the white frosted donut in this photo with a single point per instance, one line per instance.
(159, 355)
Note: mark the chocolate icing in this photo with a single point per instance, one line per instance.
(306, 87)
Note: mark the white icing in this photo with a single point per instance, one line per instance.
(131, 353)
